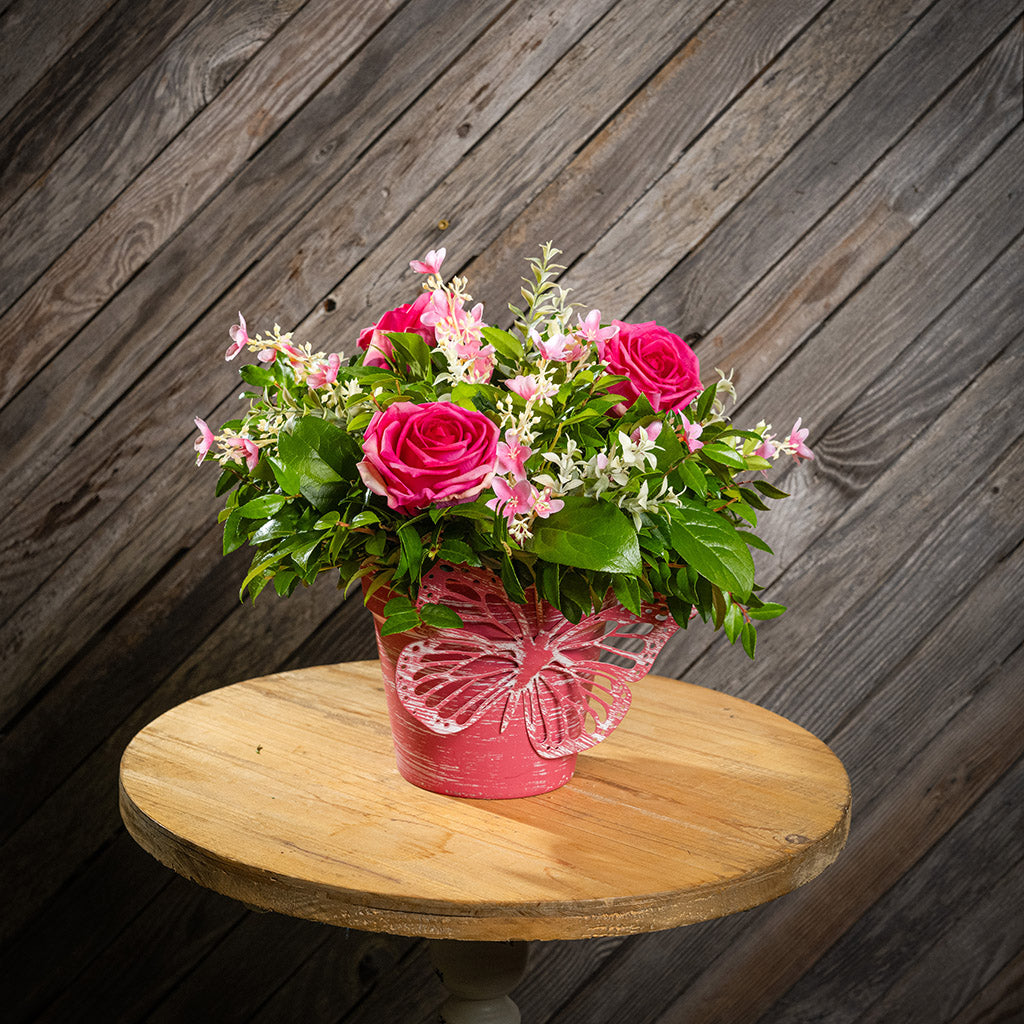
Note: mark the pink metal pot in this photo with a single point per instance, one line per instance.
(501, 707)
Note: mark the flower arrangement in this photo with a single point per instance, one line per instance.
(577, 456)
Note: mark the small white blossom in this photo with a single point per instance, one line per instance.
(348, 388)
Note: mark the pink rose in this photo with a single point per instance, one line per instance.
(432, 454)
(404, 319)
(655, 363)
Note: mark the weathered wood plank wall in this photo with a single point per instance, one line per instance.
(829, 191)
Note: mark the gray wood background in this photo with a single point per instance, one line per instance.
(829, 191)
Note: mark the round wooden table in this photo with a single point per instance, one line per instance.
(282, 792)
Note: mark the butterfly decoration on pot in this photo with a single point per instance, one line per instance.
(528, 660)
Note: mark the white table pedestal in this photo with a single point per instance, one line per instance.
(479, 976)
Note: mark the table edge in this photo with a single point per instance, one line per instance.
(426, 918)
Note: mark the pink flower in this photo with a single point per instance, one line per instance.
(655, 363)
(407, 318)
(512, 454)
(796, 446)
(511, 500)
(243, 448)
(525, 387)
(205, 443)
(324, 373)
(483, 365)
(591, 330)
(431, 263)
(766, 449)
(562, 348)
(239, 338)
(544, 505)
(432, 454)
(442, 311)
(691, 433)
(651, 431)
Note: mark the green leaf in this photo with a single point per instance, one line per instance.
(440, 616)
(411, 556)
(756, 542)
(234, 537)
(322, 456)
(588, 534)
(399, 604)
(752, 499)
(713, 547)
(720, 606)
(768, 610)
(668, 449)
(704, 403)
(724, 454)
(411, 349)
(548, 576)
(300, 547)
(694, 478)
(458, 552)
(327, 521)
(680, 609)
(510, 580)
(769, 490)
(226, 481)
(263, 506)
(258, 569)
(286, 479)
(258, 376)
(504, 343)
(481, 397)
(749, 638)
(744, 511)
(733, 622)
(577, 589)
(283, 525)
(627, 592)
(365, 518)
(285, 583)
(359, 422)
(399, 623)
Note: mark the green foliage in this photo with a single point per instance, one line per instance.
(620, 500)
(588, 534)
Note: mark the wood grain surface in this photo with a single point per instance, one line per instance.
(828, 192)
(282, 792)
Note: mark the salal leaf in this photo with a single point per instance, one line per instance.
(287, 480)
(704, 403)
(321, 457)
(505, 344)
(724, 454)
(440, 616)
(749, 638)
(713, 547)
(262, 507)
(768, 610)
(694, 477)
(411, 349)
(588, 534)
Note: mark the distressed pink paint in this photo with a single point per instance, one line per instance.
(501, 707)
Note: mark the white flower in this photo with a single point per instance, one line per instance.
(639, 452)
(348, 388)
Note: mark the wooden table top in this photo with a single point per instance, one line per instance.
(282, 792)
